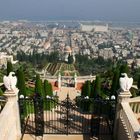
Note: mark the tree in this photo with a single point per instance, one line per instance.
(48, 91)
(1, 92)
(9, 67)
(48, 88)
(54, 57)
(97, 89)
(138, 83)
(83, 93)
(88, 88)
(124, 69)
(115, 82)
(21, 82)
(92, 89)
(38, 86)
(70, 59)
(45, 87)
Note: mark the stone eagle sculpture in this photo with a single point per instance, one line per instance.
(10, 81)
(125, 82)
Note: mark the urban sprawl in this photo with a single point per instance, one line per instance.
(94, 40)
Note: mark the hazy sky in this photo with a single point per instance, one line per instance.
(115, 10)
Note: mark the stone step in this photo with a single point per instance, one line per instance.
(63, 137)
(57, 137)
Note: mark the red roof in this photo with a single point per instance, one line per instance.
(54, 86)
(79, 86)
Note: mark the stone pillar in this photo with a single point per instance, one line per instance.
(59, 80)
(75, 80)
(124, 96)
(12, 97)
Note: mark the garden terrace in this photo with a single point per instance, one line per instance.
(63, 68)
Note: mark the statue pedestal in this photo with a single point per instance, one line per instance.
(12, 97)
(124, 96)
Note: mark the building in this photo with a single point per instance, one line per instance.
(106, 53)
(95, 28)
(4, 58)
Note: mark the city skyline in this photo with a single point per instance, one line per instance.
(109, 10)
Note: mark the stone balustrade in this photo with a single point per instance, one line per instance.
(129, 121)
(135, 105)
(127, 126)
(9, 118)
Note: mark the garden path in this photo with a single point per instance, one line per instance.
(62, 93)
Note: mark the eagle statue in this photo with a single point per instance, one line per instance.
(125, 82)
(10, 81)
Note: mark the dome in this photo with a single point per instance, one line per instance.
(68, 49)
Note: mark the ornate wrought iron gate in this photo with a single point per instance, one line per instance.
(81, 116)
(66, 118)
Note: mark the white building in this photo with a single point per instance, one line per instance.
(106, 53)
(95, 28)
(4, 58)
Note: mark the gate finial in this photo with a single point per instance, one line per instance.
(68, 95)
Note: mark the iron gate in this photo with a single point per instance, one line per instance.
(80, 116)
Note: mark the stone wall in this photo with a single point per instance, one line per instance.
(122, 131)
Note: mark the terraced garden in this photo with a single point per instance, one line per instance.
(63, 68)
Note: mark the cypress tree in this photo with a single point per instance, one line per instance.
(48, 91)
(9, 67)
(92, 89)
(97, 89)
(70, 59)
(88, 88)
(138, 84)
(115, 82)
(124, 69)
(48, 88)
(45, 87)
(1, 92)
(21, 82)
(83, 93)
(38, 86)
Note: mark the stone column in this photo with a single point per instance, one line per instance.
(12, 97)
(75, 80)
(124, 96)
(59, 80)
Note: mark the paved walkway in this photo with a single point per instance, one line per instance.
(64, 137)
(57, 137)
(62, 93)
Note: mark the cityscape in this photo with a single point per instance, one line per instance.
(69, 70)
(94, 40)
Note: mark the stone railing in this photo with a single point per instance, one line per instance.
(127, 126)
(88, 77)
(9, 118)
(135, 105)
(129, 121)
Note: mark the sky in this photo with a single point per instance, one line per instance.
(106, 10)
